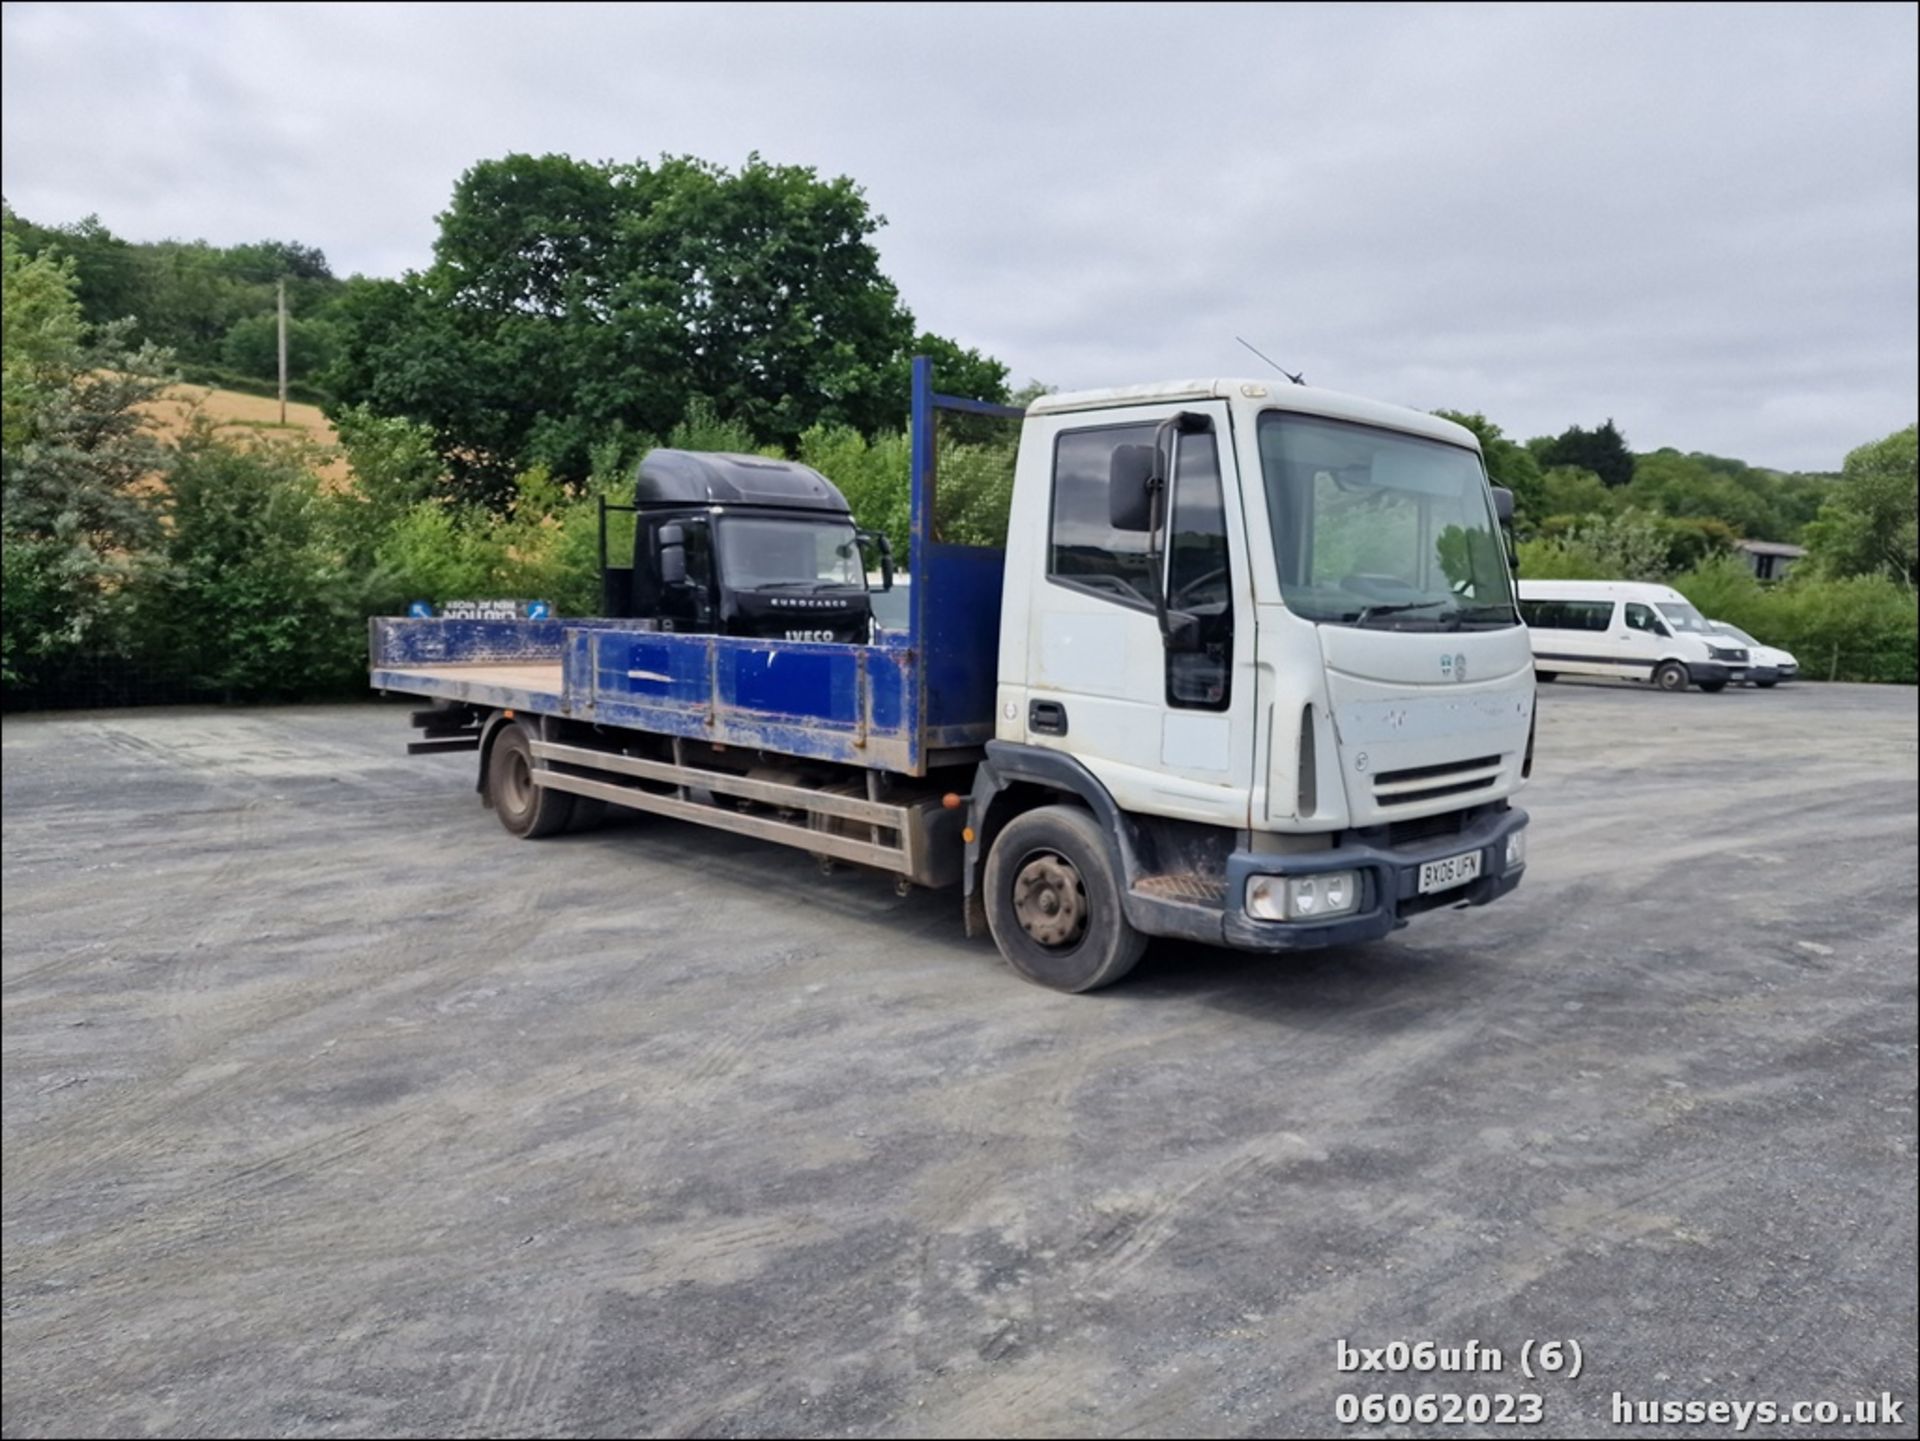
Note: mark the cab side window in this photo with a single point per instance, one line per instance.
(1086, 552)
(1641, 617)
(1199, 578)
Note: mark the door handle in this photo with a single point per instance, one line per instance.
(1047, 718)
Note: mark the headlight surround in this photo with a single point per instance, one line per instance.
(1325, 895)
(1726, 652)
(1516, 850)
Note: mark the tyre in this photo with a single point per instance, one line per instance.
(1766, 684)
(525, 809)
(1713, 687)
(588, 812)
(1546, 676)
(1053, 901)
(1671, 675)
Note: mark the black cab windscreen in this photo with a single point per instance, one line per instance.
(760, 553)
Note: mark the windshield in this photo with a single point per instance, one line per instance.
(1734, 631)
(1684, 617)
(1376, 528)
(758, 554)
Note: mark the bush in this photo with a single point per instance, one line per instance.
(249, 599)
(1859, 628)
(252, 347)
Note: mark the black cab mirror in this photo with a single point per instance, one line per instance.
(673, 555)
(1129, 496)
(1503, 504)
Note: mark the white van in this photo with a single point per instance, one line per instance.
(1627, 630)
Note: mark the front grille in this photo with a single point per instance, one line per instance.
(1417, 784)
(1426, 828)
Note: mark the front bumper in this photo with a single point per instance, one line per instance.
(1390, 880)
(1713, 672)
(1761, 674)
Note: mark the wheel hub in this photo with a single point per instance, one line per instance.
(1050, 901)
(519, 783)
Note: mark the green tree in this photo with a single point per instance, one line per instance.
(252, 347)
(1567, 490)
(567, 300)
(249, 597)
(185, 295)
(1602, 450)
(43, 330)
(1629, 546)
(1866, 526)
(77, 470)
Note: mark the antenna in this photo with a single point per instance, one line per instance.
(1297, 379)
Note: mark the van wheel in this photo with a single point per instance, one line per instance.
(1671, 676)
(525, 809)
(1546, 676)
(1053, 901)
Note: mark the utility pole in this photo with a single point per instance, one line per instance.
(283, 350)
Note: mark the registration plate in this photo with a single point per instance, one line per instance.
(1453, 871)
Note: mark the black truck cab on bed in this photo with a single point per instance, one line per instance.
(742, 545)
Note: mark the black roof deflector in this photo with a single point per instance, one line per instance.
(689, 477)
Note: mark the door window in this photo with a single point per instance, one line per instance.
(1199, 578)
(1642, 618)
(1086, 551)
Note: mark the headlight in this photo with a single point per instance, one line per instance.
(1723, 652)
(1303, 898)
(1516, 850)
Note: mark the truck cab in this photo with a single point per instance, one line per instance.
(1271, 631)
(742, 545)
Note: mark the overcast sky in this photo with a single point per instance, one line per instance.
(1701, 222)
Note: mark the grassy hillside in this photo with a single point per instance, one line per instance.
(240, 416)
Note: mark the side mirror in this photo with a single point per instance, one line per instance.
(885, 549)
(673, 555)
(1129, 500)
(1503, 504)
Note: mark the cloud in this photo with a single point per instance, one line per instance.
(1698, 221)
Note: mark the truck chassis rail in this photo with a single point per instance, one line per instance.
(916, 838)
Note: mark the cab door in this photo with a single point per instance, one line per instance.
(1168, 731)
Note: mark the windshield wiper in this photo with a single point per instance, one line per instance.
(1369, 612)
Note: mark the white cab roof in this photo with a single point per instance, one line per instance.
(1267, 394)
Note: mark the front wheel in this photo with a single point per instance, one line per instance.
(1766, 684)
(1671, 676)
(1053, 901)
(1546, 676)
(1713, 687)
(525, 809)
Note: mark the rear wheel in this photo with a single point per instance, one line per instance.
(588, 812)
(525, 809)
(1053, 901)
(1671, 675)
